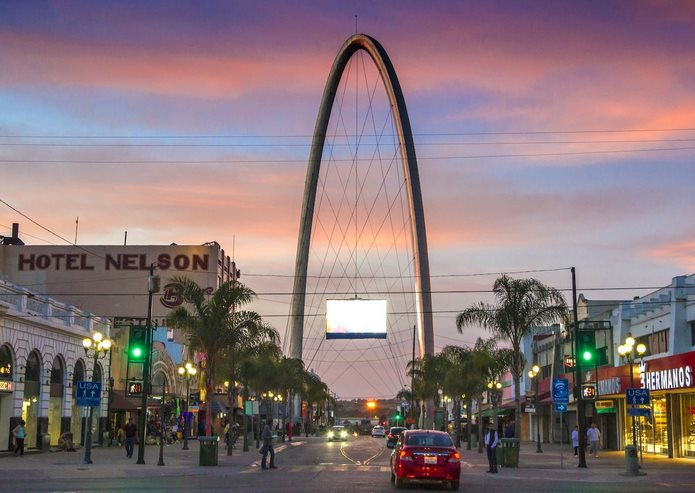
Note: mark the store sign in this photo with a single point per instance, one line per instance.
(609, 386)
(671, 378)
(569, 361)
(6, 386)
(530, 408)
(604, 404)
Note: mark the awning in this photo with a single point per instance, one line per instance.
(500, 412)
(120, 402)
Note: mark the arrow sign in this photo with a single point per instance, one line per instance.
(637, 397)
(88, 394)
(560, 408)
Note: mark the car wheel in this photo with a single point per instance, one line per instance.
(454, 485)
(399, 482)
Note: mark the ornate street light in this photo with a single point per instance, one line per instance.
(533, 374)
(187, 371)
(494, 393)
(95, 347)
(629, 350)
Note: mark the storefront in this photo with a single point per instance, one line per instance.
(669, 429)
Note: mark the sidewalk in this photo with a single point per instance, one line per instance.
(609, 467)
(112, 462)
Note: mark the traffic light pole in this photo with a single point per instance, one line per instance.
(142, 421)
(581, 418)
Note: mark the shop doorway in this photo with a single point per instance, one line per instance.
(6, 393)
(77, 412)
(55, 400)
(32, 395)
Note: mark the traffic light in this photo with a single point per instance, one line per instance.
(137, 344)
(587, 348)
(397, 417)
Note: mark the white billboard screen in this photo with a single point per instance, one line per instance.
(355, 319)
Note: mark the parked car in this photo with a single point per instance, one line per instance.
(425, 456)
(378, 431)
(392, 437)
(337, 433)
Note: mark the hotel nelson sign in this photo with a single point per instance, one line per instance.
(116, 274)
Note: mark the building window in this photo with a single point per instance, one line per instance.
(692, 333)
(657, 342)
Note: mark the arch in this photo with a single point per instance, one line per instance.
(58, 370)
(7, 362)
(55, 399)
(79, 374)
(32, 397)
(407, 148)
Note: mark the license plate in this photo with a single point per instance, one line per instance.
(430, 459)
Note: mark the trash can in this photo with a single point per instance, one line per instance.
(501, 452)
(208, 450)
(45, 442)
(510, 446)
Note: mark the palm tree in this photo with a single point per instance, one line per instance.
(213, 325)
(315, 392)
(521, 304)
(456, 378)
(291, 380)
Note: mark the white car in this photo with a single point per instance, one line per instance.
(378, 431)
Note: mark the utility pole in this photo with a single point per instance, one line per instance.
(581, 419)
(152, 287)
(412, 377)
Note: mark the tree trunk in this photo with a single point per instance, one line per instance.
(457, 420)
(469, 425)
(480, 425)
(245, 427)
(517, 406)
(209, 392)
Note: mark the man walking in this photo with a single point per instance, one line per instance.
(594, 436)
(130, 432)
(491, 441)
(575, 440)
(267, 437)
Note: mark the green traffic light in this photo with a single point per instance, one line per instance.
(588, 355)
(137, 352)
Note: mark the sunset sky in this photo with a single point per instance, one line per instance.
(548, 134)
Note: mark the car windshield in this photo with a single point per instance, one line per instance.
(427, 439)
(396, 430)
(337, 429)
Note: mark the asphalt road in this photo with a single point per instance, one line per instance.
(312, 465)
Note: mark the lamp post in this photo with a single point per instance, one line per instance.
(494, 387)
(628, 350)
(152, 287)
(187, 371)
(96, 347)
(533, 374)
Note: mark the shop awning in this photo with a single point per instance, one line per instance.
(120, 402)
(500, 412)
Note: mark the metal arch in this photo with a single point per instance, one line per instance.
(407, 148)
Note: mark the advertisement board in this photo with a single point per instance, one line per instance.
(356, 319)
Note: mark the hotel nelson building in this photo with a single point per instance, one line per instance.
(95, 285)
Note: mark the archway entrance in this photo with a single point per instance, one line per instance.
(32, 397)
(6, 394)
(77, 416)
(55, 400)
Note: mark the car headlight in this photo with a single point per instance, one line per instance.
(343, 434)
(330, 434)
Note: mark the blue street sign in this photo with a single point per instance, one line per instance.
(637, 397)
(88, 394)
(639, 411)
(561, 391)
(560, 408)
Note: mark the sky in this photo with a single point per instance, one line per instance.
(549, 135)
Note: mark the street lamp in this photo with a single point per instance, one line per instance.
(187, 371)
(533, 374)
(494, 387)
(628, 350)
(95, 347)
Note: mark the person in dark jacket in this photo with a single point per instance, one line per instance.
(267, 437)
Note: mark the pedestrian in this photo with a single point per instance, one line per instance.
(491, 441)
(509, 430)
(130, 432)
(267, 437)
(594, 436)
(575, 440)
(19, 432)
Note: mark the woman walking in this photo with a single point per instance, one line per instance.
(19, 433)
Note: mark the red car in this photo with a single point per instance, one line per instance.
(425, 456)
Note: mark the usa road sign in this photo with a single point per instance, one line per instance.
(637, 397)
(88, 394)
(561, 390)
(560, 407)
(639, 411)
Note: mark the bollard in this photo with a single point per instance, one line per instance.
(631, 460)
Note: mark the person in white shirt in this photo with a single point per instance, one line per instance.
(575, 440)
(491, 442)
(594, 436)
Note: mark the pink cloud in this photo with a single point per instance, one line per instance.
(681, 252)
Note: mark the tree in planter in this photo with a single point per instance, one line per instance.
(521, 304)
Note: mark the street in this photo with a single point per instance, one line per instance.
(315, 465)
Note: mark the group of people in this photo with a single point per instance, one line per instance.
(593, 436)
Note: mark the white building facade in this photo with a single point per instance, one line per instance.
(41, 359)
